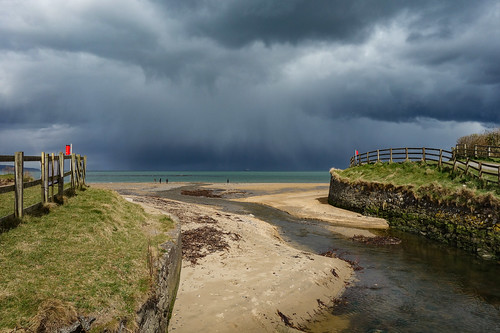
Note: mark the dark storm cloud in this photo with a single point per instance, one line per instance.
(244, 84)
(236, 23)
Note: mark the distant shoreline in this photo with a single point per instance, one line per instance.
(208, 176)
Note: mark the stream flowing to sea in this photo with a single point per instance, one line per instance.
(417, 286)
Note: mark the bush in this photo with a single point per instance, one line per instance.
(488, 138)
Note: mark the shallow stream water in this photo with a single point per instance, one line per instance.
(417, 286)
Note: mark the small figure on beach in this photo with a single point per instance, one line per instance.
(228, 180)
(166, 181)
(160, 180)
(155, 180)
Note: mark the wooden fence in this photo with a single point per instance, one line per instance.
(489, 172)
(477, 151)
(51, 174)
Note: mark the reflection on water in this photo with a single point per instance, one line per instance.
(418, 286)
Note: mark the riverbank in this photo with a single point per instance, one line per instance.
(460, 218)
(256, 281)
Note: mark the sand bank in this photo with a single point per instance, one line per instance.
(308, 201)
(247, 285)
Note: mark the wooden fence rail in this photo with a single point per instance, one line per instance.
(477, 151)
(51, 174)
(487, 171)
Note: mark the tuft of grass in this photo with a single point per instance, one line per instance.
(90, 254)
(423, 178)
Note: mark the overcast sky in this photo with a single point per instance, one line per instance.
(244, 84)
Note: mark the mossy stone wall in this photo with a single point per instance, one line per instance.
(154, 315)
(473, 229)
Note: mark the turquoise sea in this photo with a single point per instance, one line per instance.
(209, 176)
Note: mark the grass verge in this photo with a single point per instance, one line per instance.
(32, 195)
(90, 254)
(421, 177)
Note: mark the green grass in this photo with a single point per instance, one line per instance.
(90, 253)
(417, 175)
(32, 196)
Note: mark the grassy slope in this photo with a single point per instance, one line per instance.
(418, 175)
(90, 253)
(32, 196)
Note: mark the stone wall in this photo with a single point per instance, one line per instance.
(155, 313)
(473, 227)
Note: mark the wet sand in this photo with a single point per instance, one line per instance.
(307, 201)
(258, 278)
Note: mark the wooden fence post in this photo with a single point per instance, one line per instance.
(78, 171)
(60, 181)
(489, 152)
(475, 151)
(46, 183)
(73, 171)
(84, 169)
(390, 161)
(378, 155)
(367, 158)
(480, 170)
(465, 149)
(43, 168)
(18, 183)
(423, 154)
(406, 150)
(440, 157)
(467, 166)
(52, 178)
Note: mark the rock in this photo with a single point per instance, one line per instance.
(82, 325)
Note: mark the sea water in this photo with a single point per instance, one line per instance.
(208, 176)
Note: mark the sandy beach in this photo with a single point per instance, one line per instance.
(254, 282)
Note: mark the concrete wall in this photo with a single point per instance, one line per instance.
(471, 226)
(155, 313)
